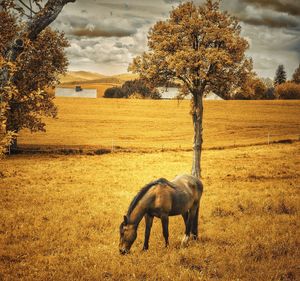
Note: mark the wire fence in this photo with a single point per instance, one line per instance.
(119, 145)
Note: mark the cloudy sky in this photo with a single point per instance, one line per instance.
(106, 34)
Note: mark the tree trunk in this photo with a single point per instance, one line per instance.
(197, 115)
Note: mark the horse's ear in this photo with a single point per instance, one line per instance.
(125, 220)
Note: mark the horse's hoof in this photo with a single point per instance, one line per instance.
(194, 237)
(185, 241)
(183, 245)
(145, 249)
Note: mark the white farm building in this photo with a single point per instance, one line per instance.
(172, 93)
(76, 92)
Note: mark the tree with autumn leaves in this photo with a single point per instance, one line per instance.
(287, 89)
(32, 57)
(200, 47)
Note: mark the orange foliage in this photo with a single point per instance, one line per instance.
(288, 90)
(37, 68)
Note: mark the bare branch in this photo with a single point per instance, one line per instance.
(26, 6)
(38, 5)
(22, 11)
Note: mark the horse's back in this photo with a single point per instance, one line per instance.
(190, 184)
(188, 181)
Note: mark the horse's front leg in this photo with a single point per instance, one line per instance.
(149, 221)
(165, 227)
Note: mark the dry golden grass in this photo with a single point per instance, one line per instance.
(126, 76)
(60, 215)
(150, 124)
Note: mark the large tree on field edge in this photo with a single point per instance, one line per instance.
(200, 47)
(31, 58)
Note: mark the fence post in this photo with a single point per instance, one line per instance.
(268, 138)
(112, 145)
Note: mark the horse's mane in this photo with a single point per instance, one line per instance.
(144, 190)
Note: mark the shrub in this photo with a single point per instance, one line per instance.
(288, 90)
(133, 89)
(114, 92)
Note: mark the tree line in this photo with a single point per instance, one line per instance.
(253, 88)
(258, 88)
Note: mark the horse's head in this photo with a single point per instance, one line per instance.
(128, 234)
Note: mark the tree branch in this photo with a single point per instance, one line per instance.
(30, 3)
(29, 8)
(33, 28)
(21, 11)
(185, 80)
(45, 17)
(38, 5)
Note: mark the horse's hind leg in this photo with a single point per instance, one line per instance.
(195, 224)
(185, 218)
(185, 239)
(189, 225)
(165, 226)
(149, 221)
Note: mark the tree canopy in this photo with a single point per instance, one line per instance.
(38, 69)
(200, 47)
(31, 59)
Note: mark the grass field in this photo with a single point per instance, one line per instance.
(60, 217)
(59, 214)
(151, 124)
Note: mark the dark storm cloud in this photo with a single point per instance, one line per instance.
(83, 32)
(291, 7)
(262, 13)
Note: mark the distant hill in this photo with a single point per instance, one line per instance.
(82, 77)
(73, 76)
(126, 76)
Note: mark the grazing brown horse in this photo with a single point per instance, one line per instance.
(163, 198)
